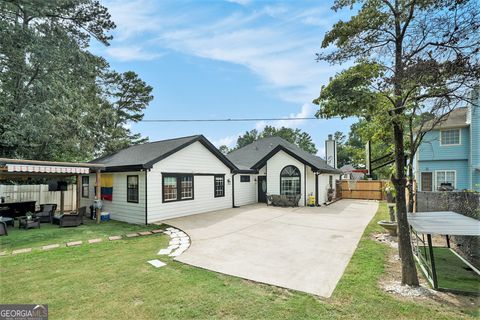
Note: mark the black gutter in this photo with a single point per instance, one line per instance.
(233, 190)
(305, 185)
(316, 190)
(146, 211)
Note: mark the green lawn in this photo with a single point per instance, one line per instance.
(51, 234)
(111, 280)
(452, 273)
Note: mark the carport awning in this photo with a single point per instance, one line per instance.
(45, 169)
(444, 223)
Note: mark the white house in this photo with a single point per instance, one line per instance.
(178, 177)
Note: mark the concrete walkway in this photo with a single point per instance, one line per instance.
(305, 249)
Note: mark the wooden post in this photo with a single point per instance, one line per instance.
(98, 194)
(62, 201)
(79, 187)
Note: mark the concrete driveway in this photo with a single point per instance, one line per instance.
(305, 249)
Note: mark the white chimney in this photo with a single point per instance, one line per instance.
(331, 151)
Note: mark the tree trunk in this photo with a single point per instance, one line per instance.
(409, 271)
(411, 189)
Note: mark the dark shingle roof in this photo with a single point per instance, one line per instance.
(456, 118)
(145, 155)
(255, 154)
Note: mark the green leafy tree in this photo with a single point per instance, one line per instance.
(124, 96)
(410, 57)
(56, 98)
(224, 149)
(296, 136)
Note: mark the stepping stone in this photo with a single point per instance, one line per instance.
(184, 246)
(50, 246)
(176, 253)
(131, 235)
(21, 250)
(3, 253)
(145, 233)
(74, 243)
(164, 251)
(174, 241)
(182, 234)
(173, 247)
(157, 263)
(157, 231)
(112, 238)
(97, 240)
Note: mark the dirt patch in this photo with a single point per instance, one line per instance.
(391, 282)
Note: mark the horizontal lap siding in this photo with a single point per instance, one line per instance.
(461, 168)
(119, 208)
(245, 192)
(193, 159)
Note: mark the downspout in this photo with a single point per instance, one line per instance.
(146, 211)
(316, 189)
(304, 185)
(233, 190)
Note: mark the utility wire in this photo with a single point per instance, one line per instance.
(228, 120)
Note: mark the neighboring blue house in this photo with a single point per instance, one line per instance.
(450, 154)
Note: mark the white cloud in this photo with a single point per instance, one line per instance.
(229, 141)
(127, 53)
(240, 2)
(307, 110)
(133, 17)
(279, 52)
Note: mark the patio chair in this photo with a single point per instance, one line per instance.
(25, 223)
(3, 229)
(46, 212)
(72, 219)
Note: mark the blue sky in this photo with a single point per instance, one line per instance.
(225, 59)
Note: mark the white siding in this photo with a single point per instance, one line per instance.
(194, 159)
(275, 165)
(119, 208)
(310, 182)
(245, 192)
(324, 185)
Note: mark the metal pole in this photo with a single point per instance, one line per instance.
(432, 262)
(98, 194)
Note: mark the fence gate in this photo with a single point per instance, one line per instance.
(362, 189)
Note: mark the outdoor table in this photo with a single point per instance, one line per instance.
(7, 220)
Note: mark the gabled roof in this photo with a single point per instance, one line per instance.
(456, 119)
(255, 155)
(144, 156)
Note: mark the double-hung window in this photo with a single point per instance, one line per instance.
(85, 186)
(132, 189)
(177, 187)
(450, 137)
(445, 177)
(219, 185)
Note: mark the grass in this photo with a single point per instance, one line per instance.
(50, 234)
(112, 280)
(452, 273)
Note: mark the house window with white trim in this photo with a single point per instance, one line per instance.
(445, 178)
(450, 137)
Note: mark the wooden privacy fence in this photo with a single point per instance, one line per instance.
(362, 189)
(40, 194)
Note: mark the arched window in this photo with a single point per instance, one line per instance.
(290, 181)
